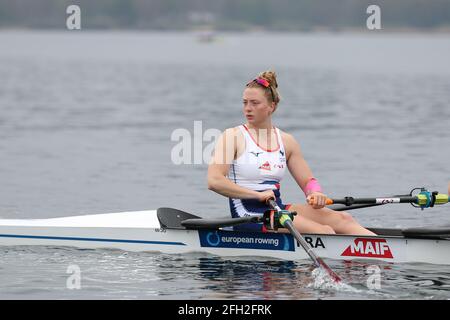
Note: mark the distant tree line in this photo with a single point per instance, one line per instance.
(226, 14)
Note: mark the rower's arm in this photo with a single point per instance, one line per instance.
(296, 163)
(224, 153)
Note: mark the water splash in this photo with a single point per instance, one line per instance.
(323, 281)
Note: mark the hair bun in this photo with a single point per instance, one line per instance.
(270, 76)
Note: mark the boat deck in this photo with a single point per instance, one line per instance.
(132, 219)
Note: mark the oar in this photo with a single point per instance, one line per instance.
(424, 199)
(341, 207)
(285, 221)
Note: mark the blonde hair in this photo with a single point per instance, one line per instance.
(270, 92)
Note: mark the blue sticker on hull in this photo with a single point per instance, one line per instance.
(246, 240)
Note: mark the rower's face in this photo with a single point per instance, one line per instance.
(256, 107)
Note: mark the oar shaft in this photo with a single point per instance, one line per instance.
(348, 201)
(286, 222)
(290, 226)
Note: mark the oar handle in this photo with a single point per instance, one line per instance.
(272, 203)
(328, 202)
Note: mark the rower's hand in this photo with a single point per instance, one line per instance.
(317, 200)
(264, 196)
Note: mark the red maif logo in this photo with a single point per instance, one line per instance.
(370, 248)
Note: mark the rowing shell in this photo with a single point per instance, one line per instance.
(162, 230)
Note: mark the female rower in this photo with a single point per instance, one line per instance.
(250, 160)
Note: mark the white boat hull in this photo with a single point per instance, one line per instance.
(141, 231)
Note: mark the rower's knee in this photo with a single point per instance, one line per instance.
(346, 217)
(326, 230)
(344, 222)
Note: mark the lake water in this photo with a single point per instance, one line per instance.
(86, 120)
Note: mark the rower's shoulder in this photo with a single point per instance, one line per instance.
(234, 140)
(287, 137)
(232, 129)
(233, 132)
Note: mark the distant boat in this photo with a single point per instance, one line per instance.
(207, 36)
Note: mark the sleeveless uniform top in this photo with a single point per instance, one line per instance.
(257, 169)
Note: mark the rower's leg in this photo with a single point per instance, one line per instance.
(341, 222)
(305, 225)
